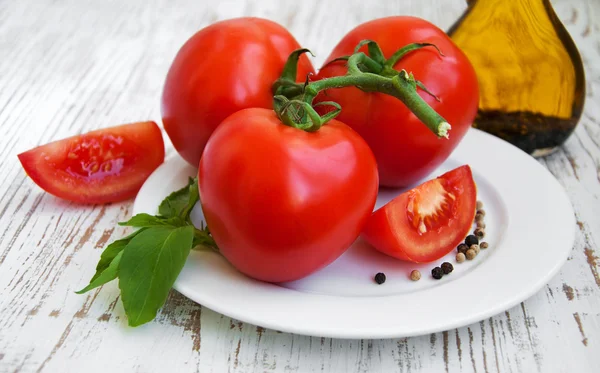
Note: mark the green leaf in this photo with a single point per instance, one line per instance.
(110, 253)
(109, 274)
(149, 267)
(177, 203)
(147, 220)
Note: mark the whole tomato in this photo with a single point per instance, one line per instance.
(225, 67)
(405, 149)
(280, 202)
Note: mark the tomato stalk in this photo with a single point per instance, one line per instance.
(369, 72)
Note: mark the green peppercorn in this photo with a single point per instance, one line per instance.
(437, 273)
(447, 267)
(460, 257)
(380, 278)
(462, 248)
(484, 245)
(471, 240)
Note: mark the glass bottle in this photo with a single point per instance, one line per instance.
(531, 78)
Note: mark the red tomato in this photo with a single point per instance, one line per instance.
(427, 222)
(223, 68)
(280, 202)
(405, 149)
(106, 165)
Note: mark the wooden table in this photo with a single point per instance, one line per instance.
(68, 66)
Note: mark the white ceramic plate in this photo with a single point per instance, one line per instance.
(530, 230)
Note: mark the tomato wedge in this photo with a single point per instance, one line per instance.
(426, 222)
(106, 165)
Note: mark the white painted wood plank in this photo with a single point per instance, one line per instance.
(71, 66)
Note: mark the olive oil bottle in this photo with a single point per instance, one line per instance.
(531, 78)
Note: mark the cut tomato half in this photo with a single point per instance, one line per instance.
(427, 222)
(106, 165)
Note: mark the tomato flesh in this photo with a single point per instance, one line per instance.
(428, 221)
(106, 165)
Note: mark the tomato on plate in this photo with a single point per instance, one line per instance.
(281, 202)
(427, 222)
(405, 149)
(105, 165)
(225, 67)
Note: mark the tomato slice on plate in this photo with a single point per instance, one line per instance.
(428, 221)
(105, 165)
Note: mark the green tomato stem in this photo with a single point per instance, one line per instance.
(294, 102)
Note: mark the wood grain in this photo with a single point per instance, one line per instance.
(69, 66)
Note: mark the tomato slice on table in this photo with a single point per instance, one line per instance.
(428, 221)
(106, 165)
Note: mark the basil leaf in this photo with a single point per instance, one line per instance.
(149, 267)
(111, 251)
(147, 220)
(177, 202)
(109, 274)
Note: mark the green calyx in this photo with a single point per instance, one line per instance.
(369, 72)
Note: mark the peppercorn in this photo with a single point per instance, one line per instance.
(478, 217)
(462, 248)
(460, 257)
(471, 254)
(415, 275)
(471, 240)
(479, 232)
(437, 273)
(447, 267)
(475, 248)
(480, 224)
(484, 245)
(479, 205)
(380, 278)
(481, 212)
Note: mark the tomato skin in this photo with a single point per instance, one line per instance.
(125, 156)
(280, 202)
(391, 231)
(223, 68)
(405, 149)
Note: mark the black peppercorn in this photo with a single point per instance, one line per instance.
(447, 267)
(471, 240)
(437, 273)
(462, 248)
(380, 278)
